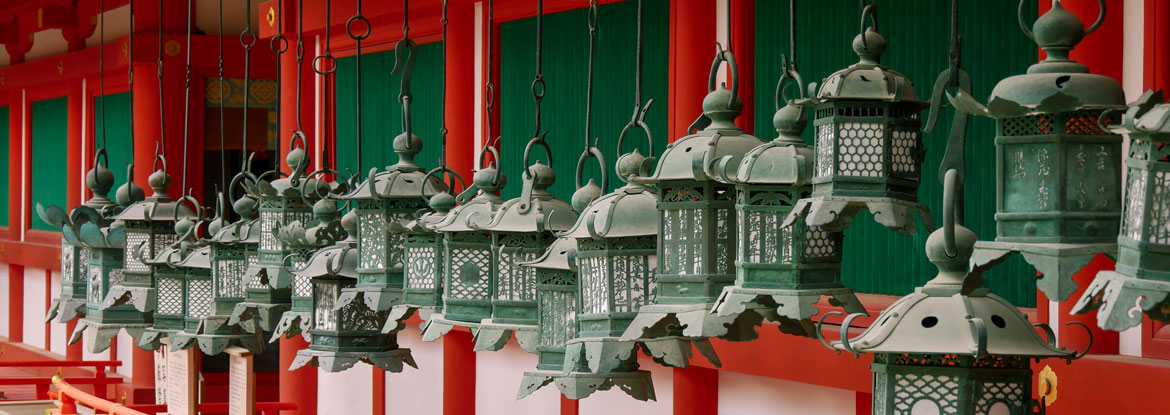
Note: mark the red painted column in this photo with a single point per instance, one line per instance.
(743, 43)
(458, 373)
(297, 386)
(379, 391)
(1101, 52)
(692, 37)
(16, 109)
(460, 102)
(569, 406)
(696, 391)
(1157, 44)
(863, 403)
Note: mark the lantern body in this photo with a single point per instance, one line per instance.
(145, 239)
(171, 283)
(1058, 173)
(515, 300)
(382, 256)
(264, 300)
(697, 246)
(617, 279)
(558, 307)
(423, 257)
(91, 217)
(74, 268)
(1142, 274)
(948, 384)
(469, 271)
(229, 263)
(304, 241)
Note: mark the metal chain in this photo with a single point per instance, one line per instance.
(443, 129)
(357, 38)
(592, 19)
(279, 45)
(489, 93)
(129, 83)
(102, 76)
(404, 56)
(222, 149)
(186, 99)
(247, 39)
(791, 59)
(325, 84)
(638, 66)
(538, 85)
(162, 130)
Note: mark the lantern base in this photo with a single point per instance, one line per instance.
(835, 213)
(437, 326)
(396, 319)
(266, 315)
(792, 309)
(142, 298)
(153, 338)
(1056, 262)
(293, 323)
(493, 336)
(609, 354)
(214, 335)
(377, 299)
(65, 309)
(101, 333)
(392, 361)
(696, 320)
(1121, 299)
(579, 385)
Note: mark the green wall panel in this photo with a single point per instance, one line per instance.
(4, 163)
(116, 135)
(49, 144)
(381, 111)
(566, 59)
(876, 259)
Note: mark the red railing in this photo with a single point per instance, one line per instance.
(100, 380)
(262, 408)
(68, 397)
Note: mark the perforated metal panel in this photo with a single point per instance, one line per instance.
(558, 317)
(420, 262)
(229, 275)
(372, 239)
(170, 296)
(324, 318)
(470, 273)
(199, 298)
(942, 390)
(516, 282)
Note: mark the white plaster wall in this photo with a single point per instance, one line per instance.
(125, 352)
(117, 23)
(497, 379)
(4, 294)
(741, 394)
(344, 393)
(34, 307)
(57, 334)
(614, 401)
(417, 391)
(46, 43)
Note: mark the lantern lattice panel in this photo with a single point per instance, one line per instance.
(682, 228)
(942, 389)
(767, 240)
(1132, 225)
(824, 158)
(170, 296)
(229, 274)
(903, 150)
(255, 282)
(1158, 227)
(325, 318)
(301, 286)
(516, 282)
(420, 262)
(860, 148)
(471, 269)
(135, 239)
(199, 298)
(117, 277)
(372, 239)
(997, 393)
(820, 243)
(558, 316)
(633, 285)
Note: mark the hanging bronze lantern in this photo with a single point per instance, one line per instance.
(303, 239)
(786, 269)
(868, 143)
(521, 230)
(105, 244)
(230, 251)
(423, 259)
(951, 346)
(98, 210)
(182, 278)
(696, 236)
(268, 293)
(1058, 193)
(1142, 276)
(344, 334)
(467, 254)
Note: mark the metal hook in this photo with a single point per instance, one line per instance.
(869, 9)
(592, 152)
(820, 332)
(1088, 332)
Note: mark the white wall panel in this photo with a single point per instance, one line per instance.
(497, 379)
(34, 307)
(344, 393)
(57, 334)
(614, 401)
(417, 391)
(125, 352)
(741, 394)
(4, 299)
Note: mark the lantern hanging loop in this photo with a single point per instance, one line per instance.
(404, 56)
(788, 66)
(536, 142)
(443, 112)
(590, 149)
(538, 86)
(1028, 31)
(222, 134)
(325, 63)
(298, 170)
(721, 56)
(952, 169)
(186, 97)
(279, 45)
(443, 171)
(869, 9)
(638, 117)
(162, 130)
(489, 90)
(488, 148)
(309, 178)
(592, 152)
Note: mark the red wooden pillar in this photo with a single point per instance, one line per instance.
(569, 406)
(1156, 76)
(16, 127)
(696, 391)
(743, 43)
(379, 391)
(297, 386)
(1101, 52)
(460, 102)
(692, 37)
(458, 373)
(863, 405)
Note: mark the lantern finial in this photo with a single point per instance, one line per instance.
(869, 46)
(100, 179)
(407, 148)
(130, 192)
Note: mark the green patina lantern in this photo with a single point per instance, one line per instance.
(104, 244)
(230, 251)
(466, 254)
(268, 294)
(303, 239)
(74, 253)
(521, 230)
(1058, 193)
(344, 334)
(952, 347)
(697, 228)
(869, 148)
(786, 269)
(1142, 276)
(423, 258)
(182, 279)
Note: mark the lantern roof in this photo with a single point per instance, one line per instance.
(1149, 115)
(324, 229)
(951, 315)
(787, 160)
(159, 207)
(558, 256)
(535, 210)
(690, 156)
(403, 180)
(339, 260)
(868, 79)
(241, 231)
(477, 211)
(628, 211)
